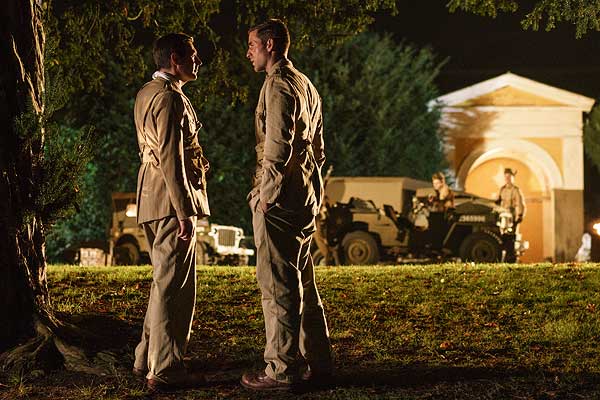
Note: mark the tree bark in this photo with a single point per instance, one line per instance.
(23, 288)
(31, 338)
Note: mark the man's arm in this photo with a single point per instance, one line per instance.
(318, 143)
(280, 128)
(521, 209)
(168, 113)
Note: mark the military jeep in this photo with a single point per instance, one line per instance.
(216, 244)
(476, 229)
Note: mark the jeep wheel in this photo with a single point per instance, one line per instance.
(318, 259)
(127, 253)
(481, 248)
(360, 248)
(201, 254)
(242, 260)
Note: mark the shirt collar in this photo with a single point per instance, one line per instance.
(166, 76)
(284, 62)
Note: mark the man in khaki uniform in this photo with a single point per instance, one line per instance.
(171, 194)
(511, 198)
(287, 194)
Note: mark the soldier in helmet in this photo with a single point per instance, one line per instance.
(511, 197)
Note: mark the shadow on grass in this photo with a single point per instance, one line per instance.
(411, 376)
(100, 332)
(110, 333)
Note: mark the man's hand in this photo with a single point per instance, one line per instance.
(186, 229)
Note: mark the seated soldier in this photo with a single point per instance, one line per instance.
(444, 197)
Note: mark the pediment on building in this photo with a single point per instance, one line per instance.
(510, 90)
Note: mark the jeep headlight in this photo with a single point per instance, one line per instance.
(597, 228)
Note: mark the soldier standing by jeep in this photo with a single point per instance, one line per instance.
(511, 198)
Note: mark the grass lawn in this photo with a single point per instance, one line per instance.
(454, 331)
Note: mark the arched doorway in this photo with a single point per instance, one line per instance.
(486, 179)
(538, 176)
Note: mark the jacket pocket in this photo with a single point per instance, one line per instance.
(196, 168)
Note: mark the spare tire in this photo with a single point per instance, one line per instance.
(360, 248)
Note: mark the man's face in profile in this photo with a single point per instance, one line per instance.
(188, 65)
(257, 52)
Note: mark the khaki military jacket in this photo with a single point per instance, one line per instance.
(512, 198)
(171, 179)
(289, 141)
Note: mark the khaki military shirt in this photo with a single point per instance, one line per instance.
(289, 141)
(171, 179)
(512, 199)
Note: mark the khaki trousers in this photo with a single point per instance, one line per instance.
(168, 321)
(294, 316)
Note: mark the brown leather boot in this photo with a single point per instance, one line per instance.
(188, 380)
(260, 381)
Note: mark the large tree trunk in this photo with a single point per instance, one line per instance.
(27, 325)
(23, 290)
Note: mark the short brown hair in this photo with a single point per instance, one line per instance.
(438, 175)
(273, 29)
(171, 43)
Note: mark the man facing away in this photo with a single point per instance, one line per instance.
(286, 195)
(171, 194)
(512, 198)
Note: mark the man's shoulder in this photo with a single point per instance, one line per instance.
(158, 93)
(292, 73)
(157, 86)
(288, 78)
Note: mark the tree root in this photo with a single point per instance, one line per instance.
(47, 351)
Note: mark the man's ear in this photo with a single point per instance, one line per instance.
(270, 44)
(174, 59)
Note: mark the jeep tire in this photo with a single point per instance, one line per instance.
(360, 248)
(127, 253)
(318, 258)
(481, 248)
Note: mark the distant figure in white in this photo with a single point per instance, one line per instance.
(419, 215)
(584, 252)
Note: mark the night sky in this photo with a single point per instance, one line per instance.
(480, 48)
